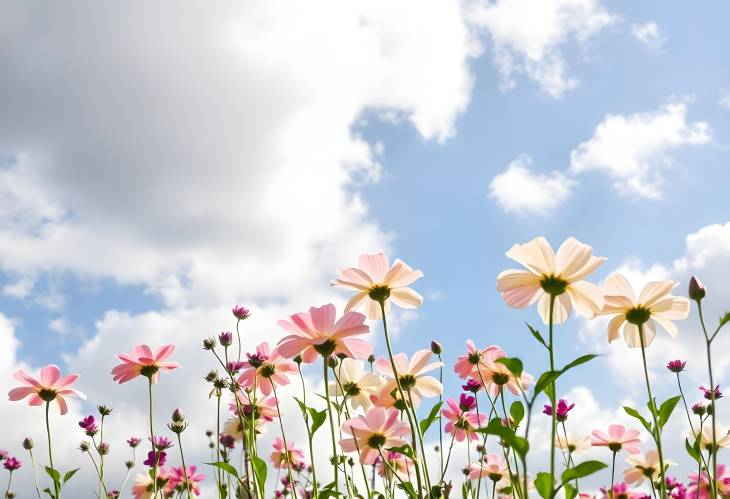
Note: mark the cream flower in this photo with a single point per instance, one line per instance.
(723, 441)
(550, 274)
(357, 383)
(573, 444)
(643, 467)
(654, 306)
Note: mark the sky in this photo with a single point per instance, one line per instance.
(159, 164)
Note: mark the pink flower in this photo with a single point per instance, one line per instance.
(51, 386)
(467, 364)
(265, 368)
(143, 485)
(411, 375)
(11, 464)
(283, 457)
(402, 465)
(376, 280)
(617, 439)
(643, 467)
(376, 431)
(492, 466)
(186, 479)
(462, 422)
(497, 376)
(241, 313)
(264, 408)
(563, 409)
(676, 366)
(699, 486)
(142, 362)
(621, 491)
(316, 333)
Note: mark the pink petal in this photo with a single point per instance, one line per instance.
(50, 374)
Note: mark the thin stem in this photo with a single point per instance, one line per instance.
(185, 469)
(240, 345)
(553, 416)
(283, 435)
(101, 455)
(686, 407)
(98, 472)
(708, 343)
(50, 451)
(420, 440)
(613, 474)
(10, 480)
(152, 441)
(441, 427)
(332, 424)
(218, 475)
(315, 490)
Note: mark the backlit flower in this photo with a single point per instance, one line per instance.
(241, 313)
(186, 479)
(411, 375)
(394, 461)
(462, 420)
(264, 368)
(468, 363)
(699, 485)
(572, 443)
(496, 376)
(143, 484)
(378, 430)
(282, 457)
(264, 408)
(143, 362)
(375, 281)
(621, 491)
(11, 464)
(357, 383)
(618, 438)
(549, 274)
(654, 306)
(319, 333)
(561, 414)
(676, 366)
(723, 440)
(492, 466)
(51, 386)
(708, 393)
(643, 467)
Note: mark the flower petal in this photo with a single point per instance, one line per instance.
(406, 298)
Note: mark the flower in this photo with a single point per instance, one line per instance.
(548, 274)
(317, 333)
(227, 441)
(11, 464)
(621, 491)
(394, 461)
(468, 363)
(699, 409)
(356, 383)
(707, 392)
(89, 425)
(143, 484)
(573, 444)
(186, 479)
(411, 375)
(133, 441)
(462, 422)
(376, 281)
(155, 459)
(160, 443)
(283, 457)
(706, 439)
(654, 305)
(696, 290)
(471, 385)
(643, 467)
(491, 466)
(377, 430)
(265, 368)
(562, 412)
(676, 366)
(51, 386)
(264, 408)
(699, 485)
(143, 362)
(241, 313)
(618, 438)
(226, 339)
(495, 376)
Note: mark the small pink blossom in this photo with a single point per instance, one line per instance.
(467, 364)
(376, 431)
(411, 374)
(561, 414)
(283, 457)
(143, 362)
(264, 368)
(186, 479)
(618, 438)
(492, 466)
(462, 421)
(394, 461)
(51, 386)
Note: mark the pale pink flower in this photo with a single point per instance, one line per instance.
(654, 306)
(492, 466)
(376, 280)
(186, 479)
(462, 422)
(264, 408)
(51, 386)
(319, 333)
(722, 441)
(621, 491)
(357, 383)
(549, 274)
(282, 457)
(618, 438)
(574, 444)
(467, 364)
(643, 467)
(143, 362)
(496, 376)
(411, 375)
(143, 484)
(264, 368)
(699, 485)
(379, 429)
(401, 464)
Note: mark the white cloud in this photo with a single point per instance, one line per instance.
(634, 149)
(519, 190)
(724, 99)
(528, 36)
(649, 34)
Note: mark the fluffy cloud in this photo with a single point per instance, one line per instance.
(519, 190)
(634, 149)
(725, 99)
(649, 34)
(528, 35)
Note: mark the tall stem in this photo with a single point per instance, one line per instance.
(10, 480)
(50, 451)
(283, 436)
(332, 424)
(553, 417)
(35, 474)
(613, 474)
(652, 406)
(152, 441)
(315, 487)
(708, 343)
(185, 469)
(441, 426)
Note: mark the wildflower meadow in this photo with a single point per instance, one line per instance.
(379, 411)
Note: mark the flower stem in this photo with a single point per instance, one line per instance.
(35, 474)
(50, 451)
(185, 469)
(152, 442)
(315, 487)
(332, 424)
(10, 480)
(441, 427)
(613, 475)
(283, 435)
(712, 476)
(553, 417)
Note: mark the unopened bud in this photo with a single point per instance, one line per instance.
(332, 361)
(436, 347)
(104, 410)
(697, 290)
(178, 416)
(28, 443)
(209, 343)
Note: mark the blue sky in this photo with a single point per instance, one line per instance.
(247, 168)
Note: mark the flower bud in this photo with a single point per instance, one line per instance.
(209, 344)
(226, 338)
(28, 443)
(676, 366)
(371, 358)
(84, 446)
(696, 290)
(436, 347)
(104, 410)
(241, 313)
(103, 449)
(298, 359)
(178, 416)
(129, 464)
(332, 361)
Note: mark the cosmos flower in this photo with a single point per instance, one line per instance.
(468, 363)
(51, 386)
(572, 443)
(186, 479)
(378, 430)
(411, 375)
(376, 280)
(618, 438)
(497, 376)
(289, 456)
(560, 275)
(401, 464)
(562, 412)
(643, 467)
(357, 383)
(264, 368)
(492, 466)
(654, 306)
(723, 440)
(143, 362)
(462, 420)
(699, 485)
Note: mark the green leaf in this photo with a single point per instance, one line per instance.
(544, 381)
(538, 336)
(580, 360)
(693, 450)
(69, 474)
(570, 491)
(666, 409)
(517, 412)
(259, 467)
(48, 491)
(225, 467)
(428, 421)
(513, 364)
(54, 474)
(495, 427)
(407, 487)
(582, 470)
(543, 485)
(318, 418)
(406, 450)
(635, 414)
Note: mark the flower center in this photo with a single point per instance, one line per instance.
(638, 315)
(268, 370)
(376, 440)
(326, 348)
(553, 285)
(379, 293)
(462, 424)
(47, 394)
(475, 357)
(500, 378)
(149, 371)
(351, 389)
(614, 446)
(495, 477)
(407, 381)
(256, 359)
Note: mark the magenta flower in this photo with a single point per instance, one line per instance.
(621, 491)
(227, 441)
(155, 459)
(234, 366)
(50, 387)
(289, 456)
(319, 333)
(11, 464)
(377, 430)
(708, 392)
(467, 402)
(618, 438)
(265, 368)
(699, 408)
(241, 313)
(676, 366)
(226, 339)
(462, 422)
(186, 479)
(472, 386)
(161, 443)
(562, 412)
(142, 362)
(699, 485)
(133, 441)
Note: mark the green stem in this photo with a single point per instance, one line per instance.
(553, 417)
(152, 441)
(10, 480)
(332, 424)
(101, 456)
(708, 343)
(315, 489)
(35, 474)
(50, 451)
(613, 475)
(185, 469)
(441, 426)
(283, 436)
